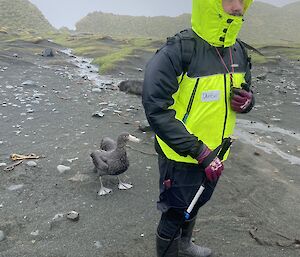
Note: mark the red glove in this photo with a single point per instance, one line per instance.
(214, 170)
(212, 165)
(240, 99)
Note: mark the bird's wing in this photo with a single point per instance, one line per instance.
(107, 144)
(99, 160)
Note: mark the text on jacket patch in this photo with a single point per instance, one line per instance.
(210, 96)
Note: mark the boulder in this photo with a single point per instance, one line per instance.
(48, 52)
(131, 86)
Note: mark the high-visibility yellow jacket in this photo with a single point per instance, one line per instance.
(189, 107)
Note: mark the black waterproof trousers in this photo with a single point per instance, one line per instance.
(178, 184)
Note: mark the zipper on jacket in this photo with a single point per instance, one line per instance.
(181, 79)
(186, 115)
(226, 108)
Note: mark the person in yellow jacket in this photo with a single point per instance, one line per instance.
(193, 88)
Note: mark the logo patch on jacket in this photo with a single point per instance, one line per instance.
(210, 96)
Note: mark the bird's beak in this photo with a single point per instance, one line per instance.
(133, 139)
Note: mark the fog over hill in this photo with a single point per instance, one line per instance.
(265, 23)
(67, 12)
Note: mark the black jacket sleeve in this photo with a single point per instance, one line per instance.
(160, 83)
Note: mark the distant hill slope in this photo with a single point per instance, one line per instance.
(135, 26)
(264, 24)
(268, 24)
(22, 15)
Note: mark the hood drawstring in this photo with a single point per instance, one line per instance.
(224, 64)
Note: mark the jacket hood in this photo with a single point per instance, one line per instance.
(214, 25)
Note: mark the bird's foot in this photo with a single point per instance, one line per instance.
(104, 191)
(124, 186)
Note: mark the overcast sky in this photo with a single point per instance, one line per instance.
(67, 12)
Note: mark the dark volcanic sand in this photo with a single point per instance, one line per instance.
(254, 211)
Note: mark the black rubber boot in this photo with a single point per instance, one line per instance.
(162, 244)
(186, 247)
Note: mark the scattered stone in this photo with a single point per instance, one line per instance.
(275, 119)
(62, 168)
(96, 90)
(98, 244)
(72, 159)
(73, 215)
(18, 132)
(3, 164)
(105, 110)
(282, 80)
(15, 55)
(98, 114)
(144, 126)
(252, 132)
(48, 52)
(257, 153)
(35, 233)
(31, 164)
(29, 83)
(262, 76)
(112, 105)
(30, 111)
(58, 217)
(108, 83)
(37, 95)
(2, 235)
(15, 187)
